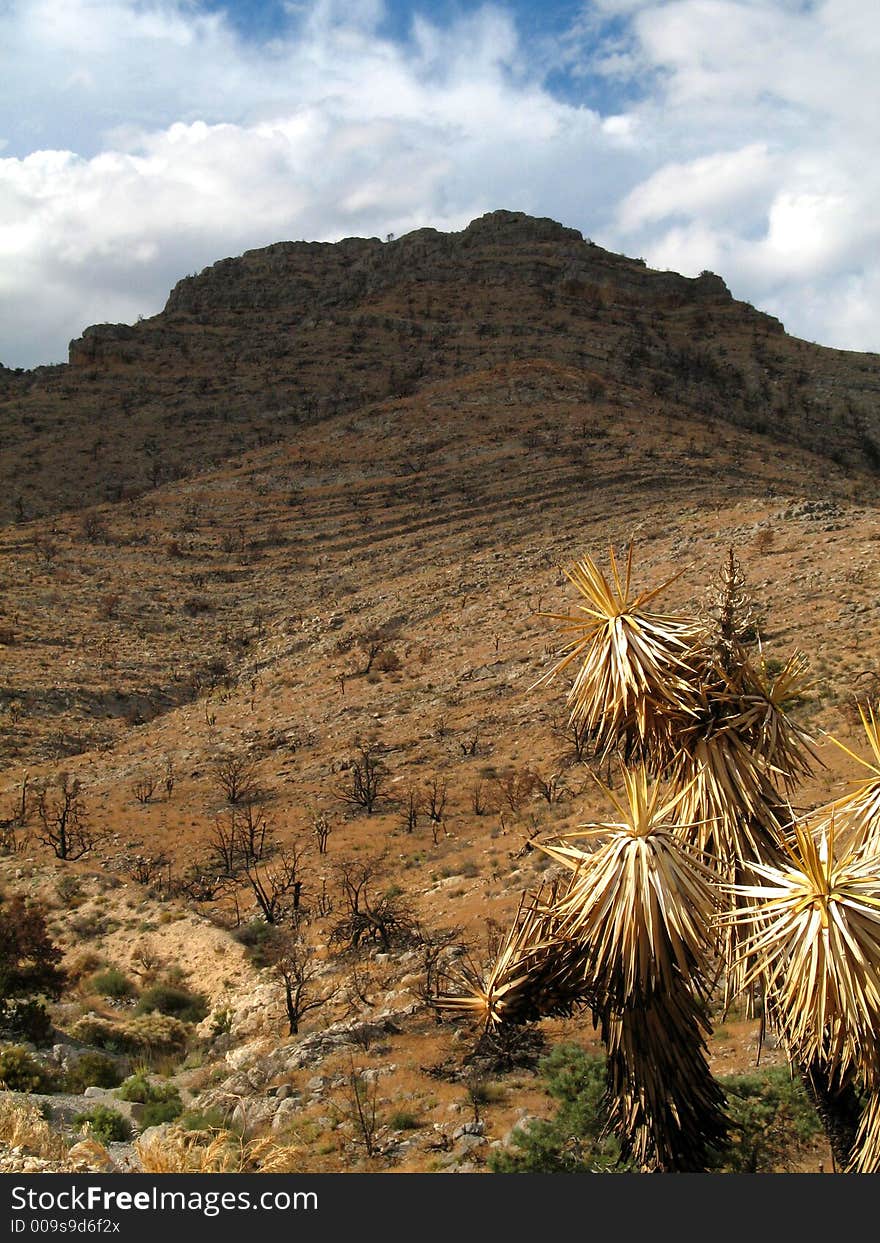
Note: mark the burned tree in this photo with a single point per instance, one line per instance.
(366, 778)
(296, 965)
(277, 886)
(380, 918)
(63, 826)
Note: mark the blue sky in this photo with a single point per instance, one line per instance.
(143, 139)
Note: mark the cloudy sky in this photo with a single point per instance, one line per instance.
(141, 140)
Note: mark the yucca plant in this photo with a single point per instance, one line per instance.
(640, 909)
(813, 939)
(633, 675)
(639, 933)
(631, 936)
(536, 972)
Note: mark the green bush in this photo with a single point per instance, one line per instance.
(259, 939)
(573, 1141)
(21, 1072)
(105, 1125)
(144, 1033)
(403, 1120)
(156, 1112)
(772, 1122)
(92, 1070)
(211, 1119)
(172, 1000)
(771, 1117)
(156, 1033)
(139, 1087)
(112, 983)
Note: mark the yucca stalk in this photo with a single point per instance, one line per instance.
(664, 1105)
(633, 672)
(640, 909)
(730, 613)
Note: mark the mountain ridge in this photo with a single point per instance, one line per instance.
(253, 348)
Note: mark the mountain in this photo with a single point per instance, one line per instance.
(325, 501)
(253, 349)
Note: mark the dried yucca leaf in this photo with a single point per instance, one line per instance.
(641, 901)
(860, 809)
(866, 1150)
(536, 974)
(811, 933)
(633, 670)
(763, 719)
(730, 808)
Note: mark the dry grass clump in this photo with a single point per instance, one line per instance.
(176, 1151)
(23, 1126)
(143, 1033)
(90, 1154)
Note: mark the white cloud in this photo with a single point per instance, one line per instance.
(144, 139)
(762, 119)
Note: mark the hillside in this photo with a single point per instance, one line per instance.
(371, 462)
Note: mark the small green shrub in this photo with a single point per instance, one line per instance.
(403, 1120)
(105, 1125)
(221, 1022)
(69, 889)
(211, 1119)
(112, 983)
(772, 1122)
(157, 1112)
(258, 938)
(170, 999)
(139, 1087)
(21, 1072)
(771, 1117)
(573, 1142)
(92, 1070)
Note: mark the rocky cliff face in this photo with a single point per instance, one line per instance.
(254, 347)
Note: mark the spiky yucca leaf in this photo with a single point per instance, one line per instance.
(536, 974)
(738, 752)
(641, 902)
(812, 935)
(633, 672)
(783, 746)
(860, 808)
